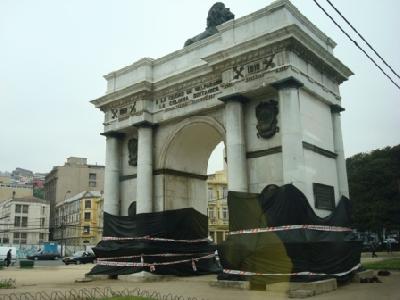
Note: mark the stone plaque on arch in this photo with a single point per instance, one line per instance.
(266, 113)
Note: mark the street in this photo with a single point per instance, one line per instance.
(48, 263)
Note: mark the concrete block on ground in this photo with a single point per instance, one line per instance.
(241, 285)
(301, 293)
(146, 277)
(84, 280)
(97, 277)
(362, 275)
(304, 288)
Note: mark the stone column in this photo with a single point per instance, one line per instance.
(291, 132)
(112, 172)
(235, 143)
(144, 189)
(338, 147)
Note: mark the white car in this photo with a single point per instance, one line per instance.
(391, 240)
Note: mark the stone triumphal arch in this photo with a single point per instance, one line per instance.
(266, 84)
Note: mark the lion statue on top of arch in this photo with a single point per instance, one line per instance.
(217, 15)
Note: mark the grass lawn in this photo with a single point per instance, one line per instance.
(7, 283)
(387, 264)
(129, 298)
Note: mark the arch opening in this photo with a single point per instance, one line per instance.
(186, 161)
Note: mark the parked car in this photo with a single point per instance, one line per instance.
(391, 240)
(394, 244)
(80, 257)
(42, 255)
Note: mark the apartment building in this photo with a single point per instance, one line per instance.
(218, 216)
(24, 221)
(79, 220)
(70, 179)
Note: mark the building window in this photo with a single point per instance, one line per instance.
(87, 216)
(42, 222)
(19, 238)
(211, 213)
(324, 196)
(25, 209)
(17, 221)
(5, 240)
(210, 194)
(86, 229)
(43, 210)
(18, 208)
(42, 237)
(88, 203)
(225, 192)
(92, 179)
(225, 215)
(24, 222)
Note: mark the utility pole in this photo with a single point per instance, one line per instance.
(62, 225)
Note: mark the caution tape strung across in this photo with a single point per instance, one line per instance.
(150, 255)
(149, 238)
(246, 273)
(144, 264)
(292, 227)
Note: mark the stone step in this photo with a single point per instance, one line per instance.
(362, 275)
(241, 285)
(303, 289)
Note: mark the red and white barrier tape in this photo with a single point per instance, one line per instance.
(246, 273)
(143, 264)
(150, 255)
(292, 227)
(149, 238)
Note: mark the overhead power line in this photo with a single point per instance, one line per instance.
(359, 34)
(355, 43)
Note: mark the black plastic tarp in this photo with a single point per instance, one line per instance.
(287, 251)
(172, 242)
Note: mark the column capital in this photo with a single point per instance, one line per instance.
(336, 108)
(114, 134)
(286, 83)
(233, 97)
(145, 124)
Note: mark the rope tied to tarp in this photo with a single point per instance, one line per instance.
(304, 273)
(292, 227)
(152, 255)
(149, 238)
(144, 264)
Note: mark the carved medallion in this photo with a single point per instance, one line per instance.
(266, 113)
(132, 150)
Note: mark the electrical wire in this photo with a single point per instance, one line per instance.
(359, 34)
(355, 43)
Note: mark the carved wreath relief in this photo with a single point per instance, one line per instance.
(266, 113)
(132, 151)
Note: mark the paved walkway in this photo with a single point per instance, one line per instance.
(63, 278)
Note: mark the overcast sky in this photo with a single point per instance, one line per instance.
(53, 55)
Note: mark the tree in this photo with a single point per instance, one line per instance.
(374, 183)
(38, 192)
